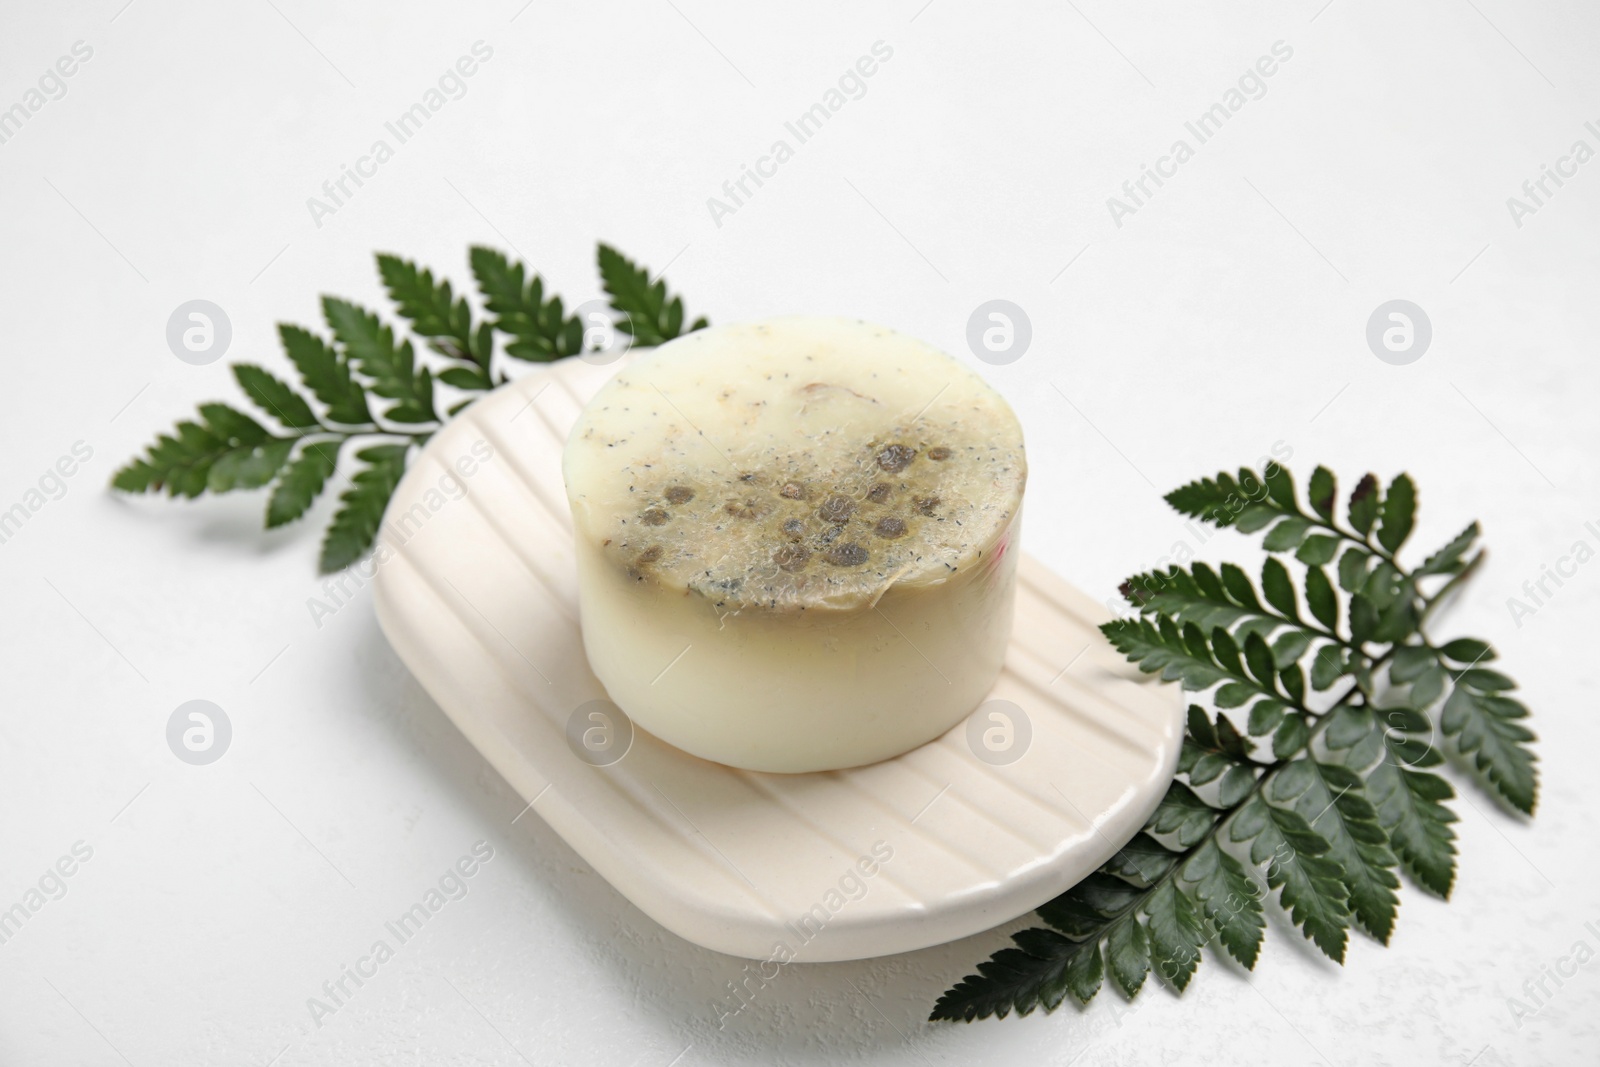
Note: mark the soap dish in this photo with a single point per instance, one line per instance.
(477, 593)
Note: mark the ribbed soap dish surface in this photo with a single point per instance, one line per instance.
(476, 591)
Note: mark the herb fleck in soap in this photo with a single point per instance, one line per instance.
(796, 541)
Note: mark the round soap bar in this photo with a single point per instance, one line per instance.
(796, 541)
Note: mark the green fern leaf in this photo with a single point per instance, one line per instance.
(302, 482)
(1310, 884)
(1333, 801)
(539, 328)
(391, 366)
(1230, 901)
(647, 313)
(433, 309)
(274, 397)
(1484, 725)
(327, 374)
(1177, 931)
(355, 525)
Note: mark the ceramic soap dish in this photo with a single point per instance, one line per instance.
(477, 593)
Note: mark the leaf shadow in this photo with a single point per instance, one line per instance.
(233, 519)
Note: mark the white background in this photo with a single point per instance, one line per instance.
(1226, 315)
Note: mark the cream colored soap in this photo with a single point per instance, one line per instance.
(796, 541)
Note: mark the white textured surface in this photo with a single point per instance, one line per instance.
(1197, 335)
(481, 595)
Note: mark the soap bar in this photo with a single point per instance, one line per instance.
(796, 541)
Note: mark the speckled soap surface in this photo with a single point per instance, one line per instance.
(799, 462)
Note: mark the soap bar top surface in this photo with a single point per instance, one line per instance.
(795, 464)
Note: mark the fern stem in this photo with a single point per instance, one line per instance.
(1430, 603)
(1351, 536)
